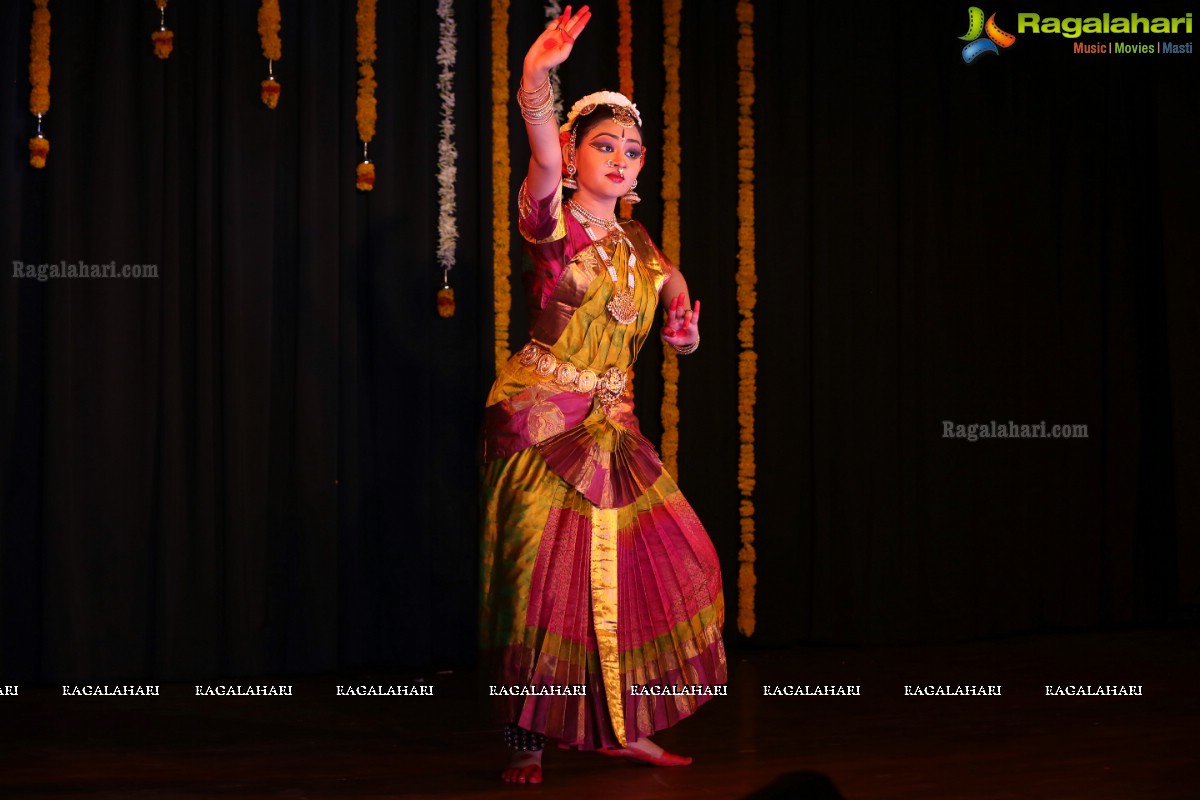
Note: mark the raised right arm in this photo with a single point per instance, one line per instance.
(548, 51)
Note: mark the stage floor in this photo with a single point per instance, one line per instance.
(880, 745)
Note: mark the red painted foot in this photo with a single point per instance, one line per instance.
(530, 773)
(665, 759)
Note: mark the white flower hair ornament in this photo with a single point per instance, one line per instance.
(625, 113)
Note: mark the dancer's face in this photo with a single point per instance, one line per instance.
(609, 158)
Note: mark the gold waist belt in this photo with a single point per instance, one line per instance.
(609, 386)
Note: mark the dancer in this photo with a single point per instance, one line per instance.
(597, 577)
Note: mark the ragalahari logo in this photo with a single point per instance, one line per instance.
(976, 27)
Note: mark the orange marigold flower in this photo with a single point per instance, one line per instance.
(39, 99)
(39, 147)
(365, 104)
(268, 30)
(746, 298)
(39, 58)
(501, 171)
(365, 175)
(365, 19)
(164, 43)
(270, 92)
(625, 47)
(445, 302)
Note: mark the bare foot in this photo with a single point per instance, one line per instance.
(647, 751)
(525, 766)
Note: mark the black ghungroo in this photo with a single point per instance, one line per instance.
(517, 738)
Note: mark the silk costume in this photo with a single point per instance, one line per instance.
(595, 570)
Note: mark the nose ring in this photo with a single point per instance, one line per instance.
(620, 170)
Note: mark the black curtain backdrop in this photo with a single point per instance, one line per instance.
(264, 460)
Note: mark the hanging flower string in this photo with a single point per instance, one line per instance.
(272, 48)
(447, 55)
(39, 79)
(625, 47)
(501, 171)
(670, 226)
(625, 67)
(164, 40)
(554, 11)
(365, 106)
(747, 298)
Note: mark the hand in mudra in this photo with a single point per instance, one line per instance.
(554, 45)
(682, 326)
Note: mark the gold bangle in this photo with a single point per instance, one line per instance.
(537, 106)
(687, 349)
(545, 87)
(537, 96)
(538, 114)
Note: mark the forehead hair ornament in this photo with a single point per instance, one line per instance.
(625, 113)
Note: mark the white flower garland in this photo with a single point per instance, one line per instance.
(554, 11)
(447, 54)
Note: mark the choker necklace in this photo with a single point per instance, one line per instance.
(588, 218)
(622, 306)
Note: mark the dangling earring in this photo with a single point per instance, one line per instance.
(631, 196)
(569, 182)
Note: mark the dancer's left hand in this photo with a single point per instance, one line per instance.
(682, 326)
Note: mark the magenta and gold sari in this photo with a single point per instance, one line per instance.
(595, 570)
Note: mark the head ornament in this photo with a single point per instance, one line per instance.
(625, 113)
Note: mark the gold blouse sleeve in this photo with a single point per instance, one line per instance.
(540, 221)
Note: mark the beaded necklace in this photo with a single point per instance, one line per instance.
(622, 306)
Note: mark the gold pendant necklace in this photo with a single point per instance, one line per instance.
(622, 306)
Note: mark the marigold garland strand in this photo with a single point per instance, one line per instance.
(365, 104)
(625, 73)
(625, 68)
(670, 227)
(39, 79)
(272, 48)
(447, 55)
(163, 39)
(747, 298)
(625, 47)
(501, 171)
